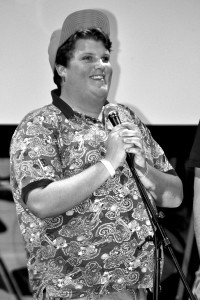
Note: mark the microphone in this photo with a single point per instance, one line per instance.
(113, 116)
(108, 110)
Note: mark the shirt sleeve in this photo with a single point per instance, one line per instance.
(160, 160)
(34, 153)
(194, 157)
(154, 153)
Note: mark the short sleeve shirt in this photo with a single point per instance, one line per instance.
(93, 248)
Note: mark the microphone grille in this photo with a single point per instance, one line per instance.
(110, 111)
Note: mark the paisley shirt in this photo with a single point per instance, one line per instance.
(93, 248)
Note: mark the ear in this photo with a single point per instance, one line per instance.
(62, 71)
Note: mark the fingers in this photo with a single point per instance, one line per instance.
(125, 138)
(127, 129)
(130, 136)
(135, 148)
(130, 126)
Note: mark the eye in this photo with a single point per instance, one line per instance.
(106, 59)
(88, 58)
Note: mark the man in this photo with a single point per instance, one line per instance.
(79, 209)
(194, 161)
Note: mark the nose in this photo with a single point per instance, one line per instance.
(100, 64)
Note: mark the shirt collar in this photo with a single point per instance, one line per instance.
(62, 105)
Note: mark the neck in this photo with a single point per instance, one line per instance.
(88, 108)
(83, 110)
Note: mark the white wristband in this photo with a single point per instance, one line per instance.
(108, 166)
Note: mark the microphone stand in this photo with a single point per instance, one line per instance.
(160, 236)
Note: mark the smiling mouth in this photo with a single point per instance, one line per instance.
(98, 77)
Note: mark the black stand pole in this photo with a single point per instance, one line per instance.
(160, 235)
(158, 257)
(160, 232)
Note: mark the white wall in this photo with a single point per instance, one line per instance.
(156, 57)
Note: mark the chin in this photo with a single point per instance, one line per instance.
(102, 96)
(103, 91)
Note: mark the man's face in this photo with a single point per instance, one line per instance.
(89, 73)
